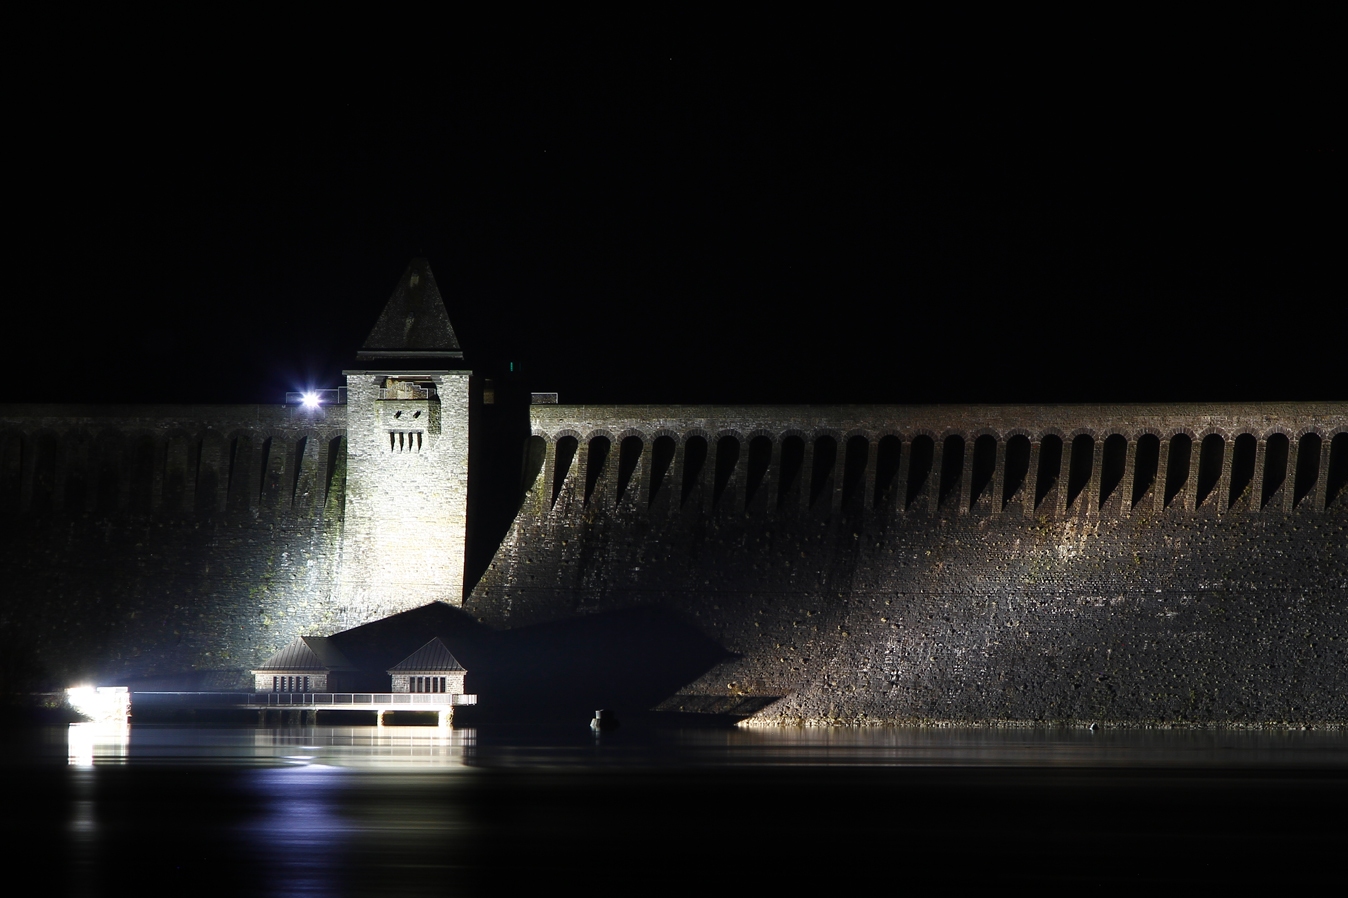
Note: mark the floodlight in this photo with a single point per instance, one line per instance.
(310, 399)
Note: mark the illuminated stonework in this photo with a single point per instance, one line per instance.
(406, 498)
(1149, 562)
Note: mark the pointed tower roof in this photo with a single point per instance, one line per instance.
(432, 657)
(414, 323)
(307, 653)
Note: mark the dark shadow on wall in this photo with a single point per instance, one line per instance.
(628, 661)
(503, 463)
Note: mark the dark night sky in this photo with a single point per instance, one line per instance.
(661, 220)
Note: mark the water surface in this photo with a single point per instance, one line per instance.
(429, 811)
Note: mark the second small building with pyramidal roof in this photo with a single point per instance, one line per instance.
(431, 668)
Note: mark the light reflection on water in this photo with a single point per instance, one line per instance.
(428, 747)
(1026, 747)
(423, 810)
(97, 741)
(334, 746)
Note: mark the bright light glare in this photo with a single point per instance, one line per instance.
(97, 742)
(101, 704)
(107, 735)
(310, 400)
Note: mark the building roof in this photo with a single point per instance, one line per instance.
(307, 653)
(414, 323)
(431, 657)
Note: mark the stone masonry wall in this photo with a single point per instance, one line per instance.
(1127, 563)
(407, 493)
(156, 540)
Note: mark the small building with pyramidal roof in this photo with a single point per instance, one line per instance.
(307, 664)
(431, 668)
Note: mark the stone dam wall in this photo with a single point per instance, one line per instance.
(144, 541)
(1169, 563)
(1130, 563)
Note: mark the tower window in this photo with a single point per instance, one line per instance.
(405, 440)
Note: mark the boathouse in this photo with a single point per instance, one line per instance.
(431, 668)
(308, 664)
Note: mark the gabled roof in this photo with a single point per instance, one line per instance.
(307, 653)
(414, 323)
(433, 656)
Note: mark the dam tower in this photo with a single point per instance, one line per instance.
(407, 458)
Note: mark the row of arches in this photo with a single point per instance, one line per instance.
(1048, 473)
(113, 471)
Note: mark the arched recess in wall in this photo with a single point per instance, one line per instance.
(271, 456)
(177, 463)
(727, 457)
(919, 468)
(1275, 467)
(662, 459)
(237, 481)
(1177, 466)
(793, 461)
(1079, 466)
(760, 459)
(108, 466)
(1211, 453)
(11, 471)
(1113, 461)
(296, 488)
(210, 468)
(1017, 467)
(1146, 466)
(1308, 467)
(888, 454)
(43, 496)
(952, 469)
(1050, 467)
(141, 499)
(1337, 485)
(334, 477)
(629, 454)
(304, 479)
(821, 477)
(984, 467)
(566, 454)
(1242, 466)
(694, 461)
(531, 463)
(78, 448)
(854, 472)
(596, 460)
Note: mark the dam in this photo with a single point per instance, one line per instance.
(1148, 564)
(869, 564)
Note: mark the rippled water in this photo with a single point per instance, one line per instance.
(421, 810)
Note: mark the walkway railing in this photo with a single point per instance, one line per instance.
(361, 700)
(337, 699)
